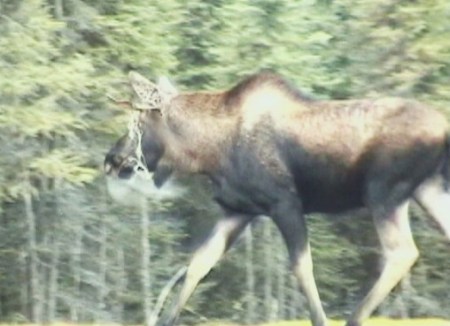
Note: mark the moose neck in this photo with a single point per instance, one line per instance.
(198, 129)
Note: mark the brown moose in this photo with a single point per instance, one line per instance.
(269, 150)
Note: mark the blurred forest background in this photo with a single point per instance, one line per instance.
(67, 252)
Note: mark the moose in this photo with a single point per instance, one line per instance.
(270, 150)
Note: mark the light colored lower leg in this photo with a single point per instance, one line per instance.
(436, 201)
(303, 270)
(206, 257)
(399, 252)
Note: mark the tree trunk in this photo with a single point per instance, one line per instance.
(145, 262)
(281, 283)
(407, 291)
(52, 299)
(293, 300)
(268, 271)
(103, 265)
(33, 276)
(250, 276)
(75, 267)
(53, 282)
(121, 287)
(24, 295)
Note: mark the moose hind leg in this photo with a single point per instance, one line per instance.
(205, 257)
(433, 198)
(292, 225)
(399, 252)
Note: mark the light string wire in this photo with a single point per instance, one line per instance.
(135, 133)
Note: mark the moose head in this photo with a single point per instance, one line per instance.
(135, 157)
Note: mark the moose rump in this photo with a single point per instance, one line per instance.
(269, 150)
(359, 153)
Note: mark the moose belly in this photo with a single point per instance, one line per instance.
(322, 197)
(326, 186)
(322, 185)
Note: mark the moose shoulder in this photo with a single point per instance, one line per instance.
(270, 150)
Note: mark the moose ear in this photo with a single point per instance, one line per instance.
(122, 103)
(167, 90)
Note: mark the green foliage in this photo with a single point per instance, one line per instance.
(39, 93)
(404, 40)
(61, 164)
(148, 28)
(59, 59)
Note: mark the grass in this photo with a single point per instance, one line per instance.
(370, 322)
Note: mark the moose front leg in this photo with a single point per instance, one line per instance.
(205, 257)
(291, 222)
